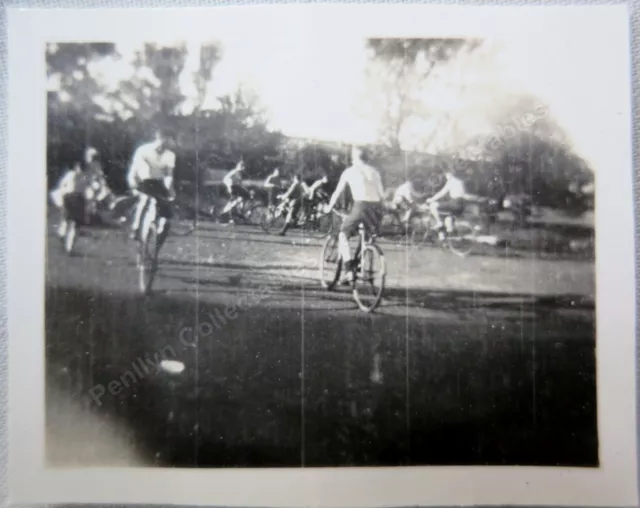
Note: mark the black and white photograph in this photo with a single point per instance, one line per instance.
(326, 247)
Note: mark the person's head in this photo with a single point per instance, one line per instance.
(240, 165)
(276, 172)
(165, 138)
(90, 155)
(360, 154)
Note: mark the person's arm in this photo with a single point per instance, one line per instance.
(380, 187)
(268, 183)
(316, 185)
(168, 179)
(338, 192)
(441, 193)
(290, 190)
(133, 178)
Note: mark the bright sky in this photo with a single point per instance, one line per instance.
(311, 84)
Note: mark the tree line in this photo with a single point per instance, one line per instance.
(83, 111)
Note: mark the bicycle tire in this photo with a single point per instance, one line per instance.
(272, 224)
(462, 241)
(329, 279)
(148, 260)
(369, 305)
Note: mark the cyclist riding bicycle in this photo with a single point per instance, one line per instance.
(235, 191)
(367, 191)
(151, 176)
(449, 200)
(102, 194)
(404, 200)
(303, 198)
(272, 183)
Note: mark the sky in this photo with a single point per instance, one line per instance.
(311, 85)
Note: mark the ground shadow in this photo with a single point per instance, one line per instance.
(356, 389)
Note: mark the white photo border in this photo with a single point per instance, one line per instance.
(614, 483)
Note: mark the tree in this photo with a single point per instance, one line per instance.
(398, 72)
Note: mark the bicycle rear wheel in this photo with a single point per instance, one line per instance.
(330, 263)
(148, 260)
(462, 239)
(370, 277)
(256, 215)
(275, 221)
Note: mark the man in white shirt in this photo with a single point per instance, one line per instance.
(272, 183)
(404, 199)
(365, 184)
(71, 197)
(233, 183)
(449, 199)
(151, 175)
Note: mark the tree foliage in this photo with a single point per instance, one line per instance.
(398, 73)
(84, 111)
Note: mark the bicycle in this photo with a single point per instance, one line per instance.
(459, 238)
(246, 211)
(367, 258)
(150, 243)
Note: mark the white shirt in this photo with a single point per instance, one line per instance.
(72, 181)
(149, 163)
(454, 188)
(404, 193)
(364, 181)
(233, 176)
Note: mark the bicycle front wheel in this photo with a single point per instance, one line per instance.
(330, 263)
(370, 278)
(462, 239)
(148, 260)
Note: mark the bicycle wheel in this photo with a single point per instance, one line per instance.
(70, 237)
(369, 281)
(255, 215)
(462, 239)
(275, 221)
(148, 260)
(330, 263)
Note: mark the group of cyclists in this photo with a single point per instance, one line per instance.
(151, 179)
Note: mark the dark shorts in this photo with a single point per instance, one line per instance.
(156, 189)
(75, 207)
(239, 191)
(365, 212)
(451, 206)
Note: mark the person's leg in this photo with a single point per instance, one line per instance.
(349, 226)
(291, 216)
(148, 217)
(230, 199)
(141, 205)
(435, 208)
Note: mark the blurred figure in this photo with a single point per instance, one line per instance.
(404, 200)
(151, 175)
(235, 191)
(365, 184)
(304, 197)
(448, 200)
(102, 195)
(272, 183)
(71, 196)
